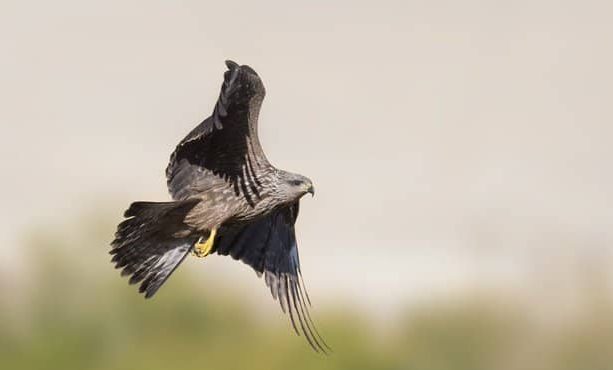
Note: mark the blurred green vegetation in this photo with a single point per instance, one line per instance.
(73, 311)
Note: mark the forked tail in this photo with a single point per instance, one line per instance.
(152, 242)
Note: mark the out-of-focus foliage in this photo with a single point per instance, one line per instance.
(70, 315)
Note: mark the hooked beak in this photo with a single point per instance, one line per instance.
(311, 190)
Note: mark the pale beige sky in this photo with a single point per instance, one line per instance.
(450, 142)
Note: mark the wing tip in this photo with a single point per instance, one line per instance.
(232, 65)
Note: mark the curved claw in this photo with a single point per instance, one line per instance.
(202, 250)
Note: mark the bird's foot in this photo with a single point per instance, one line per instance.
(201, 249)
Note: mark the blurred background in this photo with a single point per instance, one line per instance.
(461, 153)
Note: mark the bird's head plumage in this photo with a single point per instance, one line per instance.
(292, 186)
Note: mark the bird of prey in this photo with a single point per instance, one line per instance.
(227, 199)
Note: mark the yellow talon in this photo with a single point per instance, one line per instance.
(204, 249)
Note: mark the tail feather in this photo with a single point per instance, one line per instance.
(145, 247)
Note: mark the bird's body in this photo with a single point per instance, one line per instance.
(228, 199)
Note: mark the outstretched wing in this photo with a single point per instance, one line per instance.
(269, 247)
(225, 146)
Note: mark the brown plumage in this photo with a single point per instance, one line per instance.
(221, 181)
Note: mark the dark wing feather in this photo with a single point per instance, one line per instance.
(269, 247)
(225, 146)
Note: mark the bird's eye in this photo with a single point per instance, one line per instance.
(295, 182)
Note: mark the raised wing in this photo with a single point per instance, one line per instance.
(225, 146)
(269, 247)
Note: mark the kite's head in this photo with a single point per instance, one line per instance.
(292, 186)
